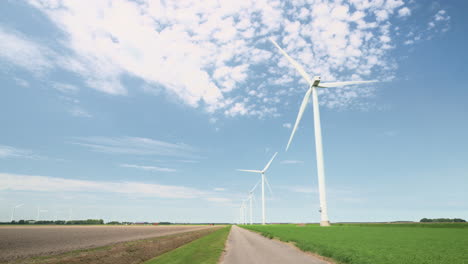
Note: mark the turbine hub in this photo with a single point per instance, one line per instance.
(316, 81)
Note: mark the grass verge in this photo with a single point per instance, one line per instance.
(205, 250)
(385, 244)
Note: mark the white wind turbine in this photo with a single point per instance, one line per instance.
(39, 211)
(312, 91)
(250, 199)
(13, 211)
(242, 215)
(262, 172)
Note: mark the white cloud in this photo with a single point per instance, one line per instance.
(209, 53)
(135, 146)
(22, 51)
(301, 189)
(219, 189)
(219, 199)
(292, 162)
(441, 16)
(80, 112)
(439, 23)
(22, 82)
(237, 109)
(188, 161)
(65, 88)
(147, 168)
(12, 152)
(403, 12)
(441, 19)
(16, 182)
(287, 125)
(33, 183)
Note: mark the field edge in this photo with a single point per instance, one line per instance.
(205, 250)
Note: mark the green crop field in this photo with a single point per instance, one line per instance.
(205, 250)
(378, 243)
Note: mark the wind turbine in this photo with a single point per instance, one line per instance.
(242, 213)
(13, 211)
(250, 199)
(39, 211)
(312, 91)
(262, 172)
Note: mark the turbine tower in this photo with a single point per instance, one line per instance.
(262, 172)
(312, 92)
(250, 199)
(13, 211)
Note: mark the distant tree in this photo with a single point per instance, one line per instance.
(442, 220)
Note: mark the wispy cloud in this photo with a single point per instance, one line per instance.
(65, 88)
(33, 183)
(301, 189)
(18, 182)
(147, 168)
(135, 146)
(292, 162)
(22, 82)
(12, 152)
(218, 189)
(188, 161)
(79, 112)
(287, 125)
(219, 199)
(24, 52)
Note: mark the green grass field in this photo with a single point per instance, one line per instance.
(205, 250)
(378, 243)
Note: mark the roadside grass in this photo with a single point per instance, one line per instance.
(205, 250)
(377, 243)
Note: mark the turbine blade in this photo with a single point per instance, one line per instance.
(305, 101)
(257, 171)
(253, 189)
(337, 84)
(269, 187)
(269, 163)
(294, 63)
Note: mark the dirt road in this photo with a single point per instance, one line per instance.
(27, 241)
(244, 247)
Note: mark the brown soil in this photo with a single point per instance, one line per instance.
(20, 242)
(121, 253)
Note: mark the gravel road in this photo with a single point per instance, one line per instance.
(245, 247)
(27, 241)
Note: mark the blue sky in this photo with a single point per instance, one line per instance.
(143, 111)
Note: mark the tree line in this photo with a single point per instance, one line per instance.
(442, 220)
(58, 222)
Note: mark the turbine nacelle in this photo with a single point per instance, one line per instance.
(316, 81)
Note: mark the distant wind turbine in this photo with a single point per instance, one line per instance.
(39, 211)
(250, 199)
(242, 213)
(262, 172)
(312, 92)
(13, 211)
